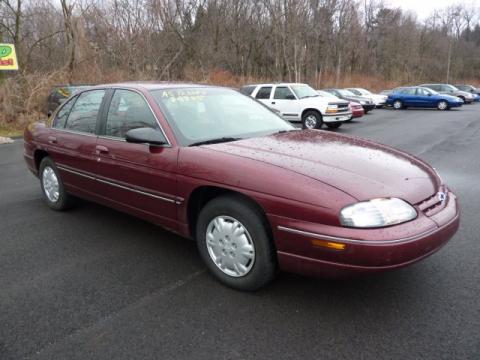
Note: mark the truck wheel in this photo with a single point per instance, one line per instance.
(312, 120)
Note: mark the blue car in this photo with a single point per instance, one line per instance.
(417, 96)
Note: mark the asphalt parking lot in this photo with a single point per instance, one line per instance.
(93, 283)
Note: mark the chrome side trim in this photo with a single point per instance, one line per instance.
(173, 201)
(364, 242)
(75, 172)
(136, 191)
(73, 132)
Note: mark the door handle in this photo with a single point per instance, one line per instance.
(100, 149)
(273, 102)
(52, 139)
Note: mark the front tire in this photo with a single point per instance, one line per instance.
(52, 186)
(442, 105)
(312, 120)
(334, 125)
(234, 242)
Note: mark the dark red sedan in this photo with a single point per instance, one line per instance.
(255, 193)
(357, 109)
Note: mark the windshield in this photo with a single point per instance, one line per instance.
(364, 91)
(303, 91)
(344, 92)
(451, 87)
(325, 94)
(201, 114)
(433, 92)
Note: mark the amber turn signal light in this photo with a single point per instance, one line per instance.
(328, 244)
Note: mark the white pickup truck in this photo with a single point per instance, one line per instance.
(300, 102)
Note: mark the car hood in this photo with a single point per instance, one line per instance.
(360, 168)
(449, 97)
(321, 101)
(358, 98)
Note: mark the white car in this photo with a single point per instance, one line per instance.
(379, 99)
(300, 102)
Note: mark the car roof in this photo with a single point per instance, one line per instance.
(276, 84)
(154, 85)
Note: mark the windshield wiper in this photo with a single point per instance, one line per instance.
(309, 96)
(215, 141)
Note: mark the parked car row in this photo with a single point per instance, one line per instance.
(300, 102)
(440, 96)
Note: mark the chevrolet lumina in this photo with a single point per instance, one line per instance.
(256, 194)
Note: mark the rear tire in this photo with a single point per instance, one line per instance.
(334, 125)
(312, 120)
(233, 240)
(397, 105)
(52, 186)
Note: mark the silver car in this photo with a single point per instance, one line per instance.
(448, 89)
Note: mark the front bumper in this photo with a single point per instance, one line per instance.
(358, 113)
(368, 107)
(365, 250)
(339, 117)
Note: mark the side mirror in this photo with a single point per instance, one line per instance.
(429, 94)
(145, 135)
(290, 97)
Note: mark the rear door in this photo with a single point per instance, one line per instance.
(138, 177)
(285, 101)
(73, 139)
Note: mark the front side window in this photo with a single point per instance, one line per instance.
(83, 116)
(283, 93)
(264, 92)
(128, 110)
(62, 114)
(201, 114)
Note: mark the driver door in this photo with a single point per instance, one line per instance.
(136, 177)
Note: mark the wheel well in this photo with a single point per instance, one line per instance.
(311, 109)
(38, 156)
(203, 194)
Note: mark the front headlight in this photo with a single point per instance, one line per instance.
(377, 213)
(362, 102)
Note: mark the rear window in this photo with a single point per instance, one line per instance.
(264, 92)
(247, 90)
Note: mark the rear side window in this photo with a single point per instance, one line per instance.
(264, 92)
(62, 115)
(247, 90)
(283, 93)
(83, 116)
(128, 110)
